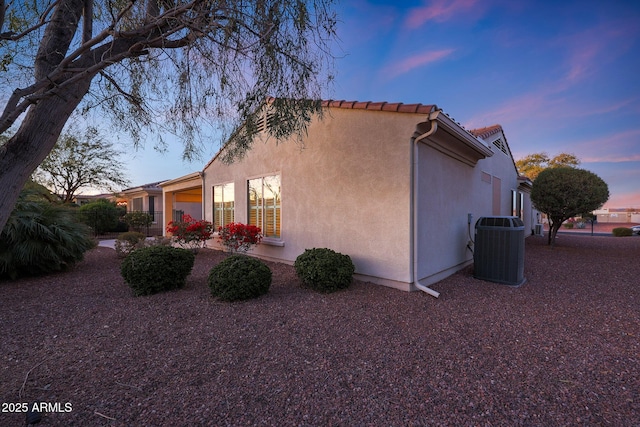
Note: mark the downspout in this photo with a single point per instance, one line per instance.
(204, 199)
(204, 195)
(413, 232)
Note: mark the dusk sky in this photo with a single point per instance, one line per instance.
(559, 76)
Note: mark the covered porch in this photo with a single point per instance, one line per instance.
(182, 196)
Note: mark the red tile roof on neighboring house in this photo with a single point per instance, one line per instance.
(486, 131)
(397, 107)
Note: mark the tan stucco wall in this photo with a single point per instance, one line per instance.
(348, 189)
(144, 195)
(448, 191)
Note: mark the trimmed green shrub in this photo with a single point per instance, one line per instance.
(41, 238)
(101, 215)
(138, 220)
(128, 242)
(156, 269)
(324, 270)
(622, 232)
(239, 277)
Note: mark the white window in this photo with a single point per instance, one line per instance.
(223, 205)
(264, 204)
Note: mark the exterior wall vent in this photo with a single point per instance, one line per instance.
(265, 122)
(501, 145)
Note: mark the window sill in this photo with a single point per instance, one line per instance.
(272, 241)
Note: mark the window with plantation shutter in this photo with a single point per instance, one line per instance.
(264, 204)
(223, 205)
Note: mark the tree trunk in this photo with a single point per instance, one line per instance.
(553, 231)
(33, 141)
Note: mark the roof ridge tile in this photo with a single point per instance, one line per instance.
(397, 107)
(486, 131)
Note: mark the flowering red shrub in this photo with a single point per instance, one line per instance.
(238, 237)
(189, 232)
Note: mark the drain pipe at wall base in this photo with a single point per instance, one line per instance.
(414, 204)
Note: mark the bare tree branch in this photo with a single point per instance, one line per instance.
(174, 65)
(10, 35)
(135, 100)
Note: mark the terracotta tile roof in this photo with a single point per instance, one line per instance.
(486, 131)
(397, 107)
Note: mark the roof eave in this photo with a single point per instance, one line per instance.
(471, 148)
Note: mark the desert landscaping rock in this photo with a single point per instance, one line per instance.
(561, 350)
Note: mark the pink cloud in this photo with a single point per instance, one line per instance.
(513, 110)
(615, 148)
(589, 50)
(581, 62)
(623, 200)
(415, 61)
(438, 10)
(547, 102)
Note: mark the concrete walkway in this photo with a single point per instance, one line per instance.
(109, 243)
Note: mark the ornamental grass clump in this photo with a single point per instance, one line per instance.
(239, 277)
(128, 242)
(157, 269)
(324, 270)
(622, 232)
(132, 240)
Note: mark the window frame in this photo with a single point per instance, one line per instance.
(223, 211)
(517, 204)
(276, 237)
(137, 201)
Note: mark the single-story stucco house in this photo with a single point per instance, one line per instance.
(143, 198)
(397, 187)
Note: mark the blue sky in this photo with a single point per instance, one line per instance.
(558, 76)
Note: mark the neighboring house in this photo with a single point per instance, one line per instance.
(83, 199)
(617, 215)
(145, 198)
(182, 196)
(397, 187)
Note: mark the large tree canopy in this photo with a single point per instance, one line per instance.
(75, 163)
(531, 165)
(564, 192)
(178, 64)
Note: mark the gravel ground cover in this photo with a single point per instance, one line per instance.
(561, 350)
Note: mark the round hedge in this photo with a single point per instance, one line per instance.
(622, 232)
(324, 270)
(239, 277)
(156, 269)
